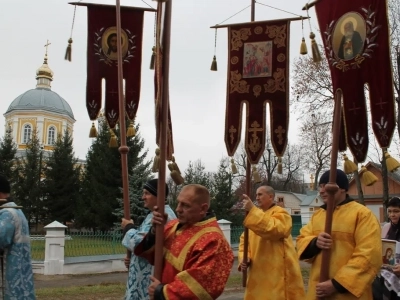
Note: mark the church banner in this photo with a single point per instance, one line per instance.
(258, 73)
(356, 40)
(102, 60)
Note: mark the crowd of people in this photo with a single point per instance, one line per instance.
(197, 258)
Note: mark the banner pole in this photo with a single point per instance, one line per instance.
(123, 149)
(165, 42)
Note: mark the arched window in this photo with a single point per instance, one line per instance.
(51, 135)
(27, 134)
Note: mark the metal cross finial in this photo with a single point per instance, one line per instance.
(47, 46)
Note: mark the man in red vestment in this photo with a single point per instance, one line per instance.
(197, 257)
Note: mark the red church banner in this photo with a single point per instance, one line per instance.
(356, 40)
(102, 60)
(258, 73)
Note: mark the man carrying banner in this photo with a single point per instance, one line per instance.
(271, 250)
(139, 268)
(197, 257)
(355, 245)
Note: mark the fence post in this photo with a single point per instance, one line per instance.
(54, 251)
(225, 226)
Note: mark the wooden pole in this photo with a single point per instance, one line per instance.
(309, 5)
(165, 41)
(248, 189)
(331, 187)
(255, 22)
(123, 149)
(246, 230)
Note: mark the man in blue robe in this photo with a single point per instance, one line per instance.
(16, 263)
(139, 268)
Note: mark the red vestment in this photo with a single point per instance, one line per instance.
(197, 260)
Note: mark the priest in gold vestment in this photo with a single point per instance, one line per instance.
(274, 270)
(355, 243)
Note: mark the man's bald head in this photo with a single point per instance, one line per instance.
(200, 192)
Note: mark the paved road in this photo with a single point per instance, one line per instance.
(51, 281)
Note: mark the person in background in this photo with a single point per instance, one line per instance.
(390, 231)
(139, 268)
(15, 248)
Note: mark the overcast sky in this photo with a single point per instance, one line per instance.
(197, 95)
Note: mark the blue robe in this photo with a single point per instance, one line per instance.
(15, 241)
(139, 268)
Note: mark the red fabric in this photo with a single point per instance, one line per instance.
(208, 261)
(367, 62)
(102, 61)
(197, 260)
(258, 73)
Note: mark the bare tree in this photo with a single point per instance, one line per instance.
(312, 85)
(316, 142)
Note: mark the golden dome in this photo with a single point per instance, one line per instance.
(44, 71)
(44, 75)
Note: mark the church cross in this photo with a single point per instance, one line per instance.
(279, 132)
(47, 46)
(255, 128)
(354, 108)
(381, 103)
(113, 93)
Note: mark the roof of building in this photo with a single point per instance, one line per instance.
(41, 99)
(309, 198)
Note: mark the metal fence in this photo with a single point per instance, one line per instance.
(83, 244)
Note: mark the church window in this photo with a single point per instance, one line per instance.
(51, 135)
(27, 134)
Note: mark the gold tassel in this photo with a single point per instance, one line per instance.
(113, 140)
(391, 163)
(131, 130)
(233, 167)
(175, 165)
(156, 161)
(93, 131)
(177, 178)
(303, 47)
(367, 177)
(214, 64)
(256, 175)
(68, 52)
(175, 172)
(279, 165)
(314, 47)
(349, 166)
(153, 58)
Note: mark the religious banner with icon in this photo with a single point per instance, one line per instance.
(356, 39)
(258, 73)
(102, 60)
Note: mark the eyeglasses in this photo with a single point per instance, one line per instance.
(394, 211)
